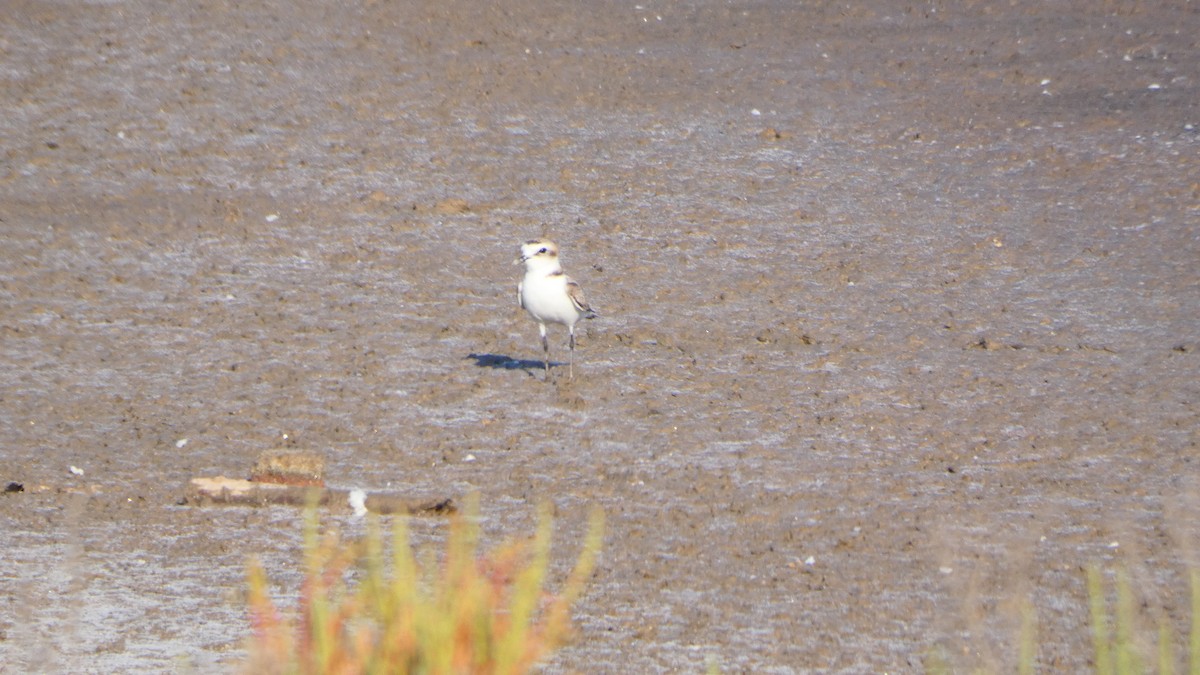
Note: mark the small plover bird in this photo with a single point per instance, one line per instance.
(549, 295)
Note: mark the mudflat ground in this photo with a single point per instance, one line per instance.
(900, 313)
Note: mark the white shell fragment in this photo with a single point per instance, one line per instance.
(358, 502)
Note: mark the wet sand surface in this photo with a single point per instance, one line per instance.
(899, 313)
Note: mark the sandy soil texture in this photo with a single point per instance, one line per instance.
(900, 313)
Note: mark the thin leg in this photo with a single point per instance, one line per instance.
(571, 361)
(545, 347)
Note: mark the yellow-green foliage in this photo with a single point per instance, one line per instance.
(1194, 639)
(1113, 636)
(1118, 646)
(468, 614)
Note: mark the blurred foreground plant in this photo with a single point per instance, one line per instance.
(468, 614)
(1120, 641)
(1117, 653)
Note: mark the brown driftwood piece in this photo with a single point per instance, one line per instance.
(235, 491)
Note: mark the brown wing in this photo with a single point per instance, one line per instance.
(576, 295)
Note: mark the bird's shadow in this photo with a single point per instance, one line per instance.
(502, 362)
